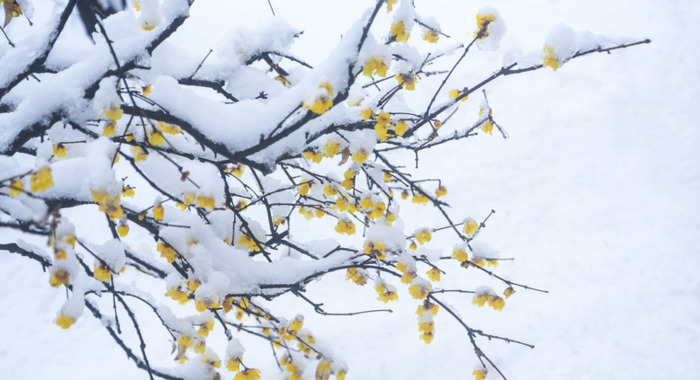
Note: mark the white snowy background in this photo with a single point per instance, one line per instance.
(596, 196)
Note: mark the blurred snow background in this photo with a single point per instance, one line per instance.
(595, 192)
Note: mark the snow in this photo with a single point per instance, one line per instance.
(595, 195)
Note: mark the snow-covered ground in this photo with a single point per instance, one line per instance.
(595, 192)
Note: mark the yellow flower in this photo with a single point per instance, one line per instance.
(399, 31)
(477, 262)
(330, 190)
(431, 36)
(156, 138)
(460, 255)
(59, 277)
(491, 263)
(304, 188)
(41, 180)
(16, 187)
(360, 156)
(482, 22)
(233, 365)
(331, 148)
(427, 337)
(355, 276)
(440, 191)
(206, 328)
(139, 153)
(419, 289)
(387, 176)
(189, 198)
(480, 299)
(471, 227)
(433, 274)
(509, 291)
(497, 303)
(423, 236)
(128, 191)
(205, 202)
(158, 212)
(102, 273)
(479, 374)
(146, 90)
(407, 81)
(431, 307)
(65, 321)
(238, 170)
(366, 113)
(400, 128)
(178, 295)
(347, 183)
(168, 128)
(61, 254)
(420, 199)
(487, 127)
(550, 58)
(166, 251)
(375, 65)
(426, 327)
(147, 26)
(322, 103)
(345, 226)
(454, 94)
(114, 112)
(59, 150)
(386, 294)
(340, 375)
(248, 374)
(389, 7)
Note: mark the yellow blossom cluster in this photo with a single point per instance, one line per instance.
(375, 65)
(454, 94)
(490, 298)
(386, 293)
(356, 276)
(139, 153)
(419, 198)
(102, 272)
(345, 226)
(312, 155)
(322, 103)
(206, 202)
(236, 170)
(109, 204)
(16, 187)
(479, 374)
(431, 36)
(407, 80)
(471, 227)
(409, 272)
(181, 296)
(65, 321)
(59, 150)
(166, 251)
(374, 210)
(420, 288)
(423, 236)
(41, 180)
(206, 302)
(59, 277)
(247, 242)
(376, 248)
(400, 32)
(550, 58)
(482, 22)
